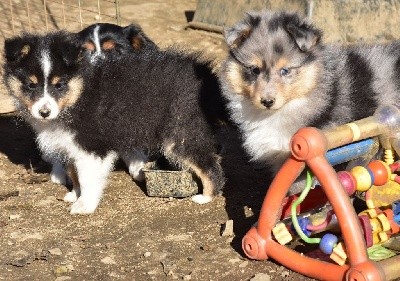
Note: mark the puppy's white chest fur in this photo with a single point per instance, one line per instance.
(266, 136)
(59, 141)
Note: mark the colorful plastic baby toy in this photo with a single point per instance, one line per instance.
(323, 214)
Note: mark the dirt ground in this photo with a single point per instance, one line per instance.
(131, 236)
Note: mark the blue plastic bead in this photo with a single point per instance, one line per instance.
(327, 243)
(396, 211)
(303, 222)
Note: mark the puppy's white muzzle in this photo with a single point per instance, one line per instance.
(46, 108)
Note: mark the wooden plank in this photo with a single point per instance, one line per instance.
(214, 15)
(345, 21)
(223, 13)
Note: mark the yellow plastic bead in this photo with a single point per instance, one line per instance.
(363, 178)
(379, 237)
(370, 204)
(282, 234)
(371, 213)
(389, 157)
(339, 254)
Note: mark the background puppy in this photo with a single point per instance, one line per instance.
(279, 77)
(102, 41)
(92, 114)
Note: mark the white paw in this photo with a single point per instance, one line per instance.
(135, 170)
(71, 196)
(139, 176)
(201, 199)
(58, 177)
(82, 206)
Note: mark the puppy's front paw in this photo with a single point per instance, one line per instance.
(84, 206)
(71, 197)
(201, 199)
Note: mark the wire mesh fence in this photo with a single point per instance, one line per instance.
(44, 15)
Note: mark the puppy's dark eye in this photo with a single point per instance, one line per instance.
(284, 71)
(32, 86)
(255, 70)
(59, 85)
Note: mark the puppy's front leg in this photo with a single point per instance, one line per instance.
(92, 175)
(58, 174)
(74, 194)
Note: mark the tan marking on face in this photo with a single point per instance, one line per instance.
(33, 79)
(137, 42)
(256, 61)
(240, 86)
(108, 45)
(55, 80)
(88, 45)
(25, 50)
(17, 92)
(75, 87)
(253, 93)
(301, 85)
(234, 76)
(259, 88)
(282, 62)
(304, 82)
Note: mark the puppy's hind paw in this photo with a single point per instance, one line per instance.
(82, 206)
(138, 176)
(59, 178)
(201, 199)
(71, 197)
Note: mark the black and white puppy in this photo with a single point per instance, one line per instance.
(106, 40)
(102, 41)
(167, 103)
(279, 77)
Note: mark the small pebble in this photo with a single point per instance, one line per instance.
(227, 228)
(108, 260)
(147, 254)
(63, 278)
(55, 251)
(61, 269)
(285, 273)
(261, 277)
(14, 217)
(235, 260)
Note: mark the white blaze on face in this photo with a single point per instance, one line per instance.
(46, 106)
(96, 40)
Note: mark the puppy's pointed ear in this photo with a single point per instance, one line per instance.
(136, 37)
(305, 35)
(237, 34)
(16, 48)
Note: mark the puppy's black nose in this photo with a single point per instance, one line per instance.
(45, 112)
(268, 102)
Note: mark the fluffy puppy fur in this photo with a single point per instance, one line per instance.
(102, 41)
(280, 77)
(90, 114)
